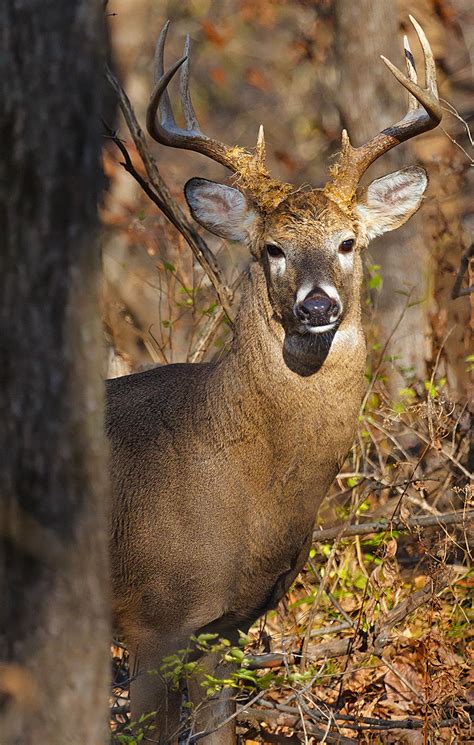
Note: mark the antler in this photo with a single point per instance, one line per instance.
(163, 128)
(424, 113)
(249, 168)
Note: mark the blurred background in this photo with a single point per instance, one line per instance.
(304, 69)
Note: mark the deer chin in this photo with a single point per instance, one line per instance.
(305, 353)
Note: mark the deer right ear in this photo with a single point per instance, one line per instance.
(220, 209)
(390, 201)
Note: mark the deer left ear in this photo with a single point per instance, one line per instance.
(390, 201)
(220, 209)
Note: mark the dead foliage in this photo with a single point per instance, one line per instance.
(372, 643)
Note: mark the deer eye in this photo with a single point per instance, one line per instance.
(274, 251)
(347, 246)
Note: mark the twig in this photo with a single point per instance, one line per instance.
(158, 191)
(207, 335)
(264, 661)
(454, 112)
(211, 327)
(380, 526)
(441, 450)
(323, 651)
(382, 354)
(359, 723)
(385, 624)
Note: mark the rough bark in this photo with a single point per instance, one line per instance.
(54, 627)
(370, 100)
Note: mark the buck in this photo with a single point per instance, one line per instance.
(219, 469)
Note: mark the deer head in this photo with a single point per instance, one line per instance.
(308, 243)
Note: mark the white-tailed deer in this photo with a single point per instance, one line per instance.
(219, 469)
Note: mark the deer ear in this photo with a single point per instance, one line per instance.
(390, 201)
(220, 209)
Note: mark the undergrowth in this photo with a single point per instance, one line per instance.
(371, 644)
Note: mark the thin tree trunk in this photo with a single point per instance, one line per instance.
(54, 627)
(370, 99)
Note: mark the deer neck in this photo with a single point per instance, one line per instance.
(271, 397)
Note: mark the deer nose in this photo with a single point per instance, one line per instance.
(317, 309)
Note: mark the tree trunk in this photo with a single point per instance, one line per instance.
(54, 627)
(370, 99)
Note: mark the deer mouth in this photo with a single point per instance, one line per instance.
(319, 329)
(306, 349)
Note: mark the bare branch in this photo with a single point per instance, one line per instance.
(207, 335)
(164, 200)
(381, 526)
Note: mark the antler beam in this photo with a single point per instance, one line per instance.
(161, 123)
(424, 113)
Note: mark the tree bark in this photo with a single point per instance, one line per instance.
(54, 627)
(370, 99)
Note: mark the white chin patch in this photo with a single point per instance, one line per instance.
(321, 329)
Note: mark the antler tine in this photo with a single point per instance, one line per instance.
(430, 66)
(190, 117)
(424, 113)
(411, 72)
(163, 128)
(166, 110)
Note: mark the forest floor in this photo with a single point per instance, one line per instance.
(372, 643)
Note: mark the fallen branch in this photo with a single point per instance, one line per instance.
(337, 648)
(291, 721)
(157, 190)
(289, 716)
(387, 525)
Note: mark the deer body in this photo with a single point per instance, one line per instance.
(241, 452)
(218, 470)
(218, 473)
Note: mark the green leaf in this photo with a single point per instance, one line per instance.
(431, 389)
(375, 282)
(203, 638)
(210, 310)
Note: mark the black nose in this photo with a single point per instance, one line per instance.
(318, 309)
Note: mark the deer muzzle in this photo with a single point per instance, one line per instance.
(318, 311)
